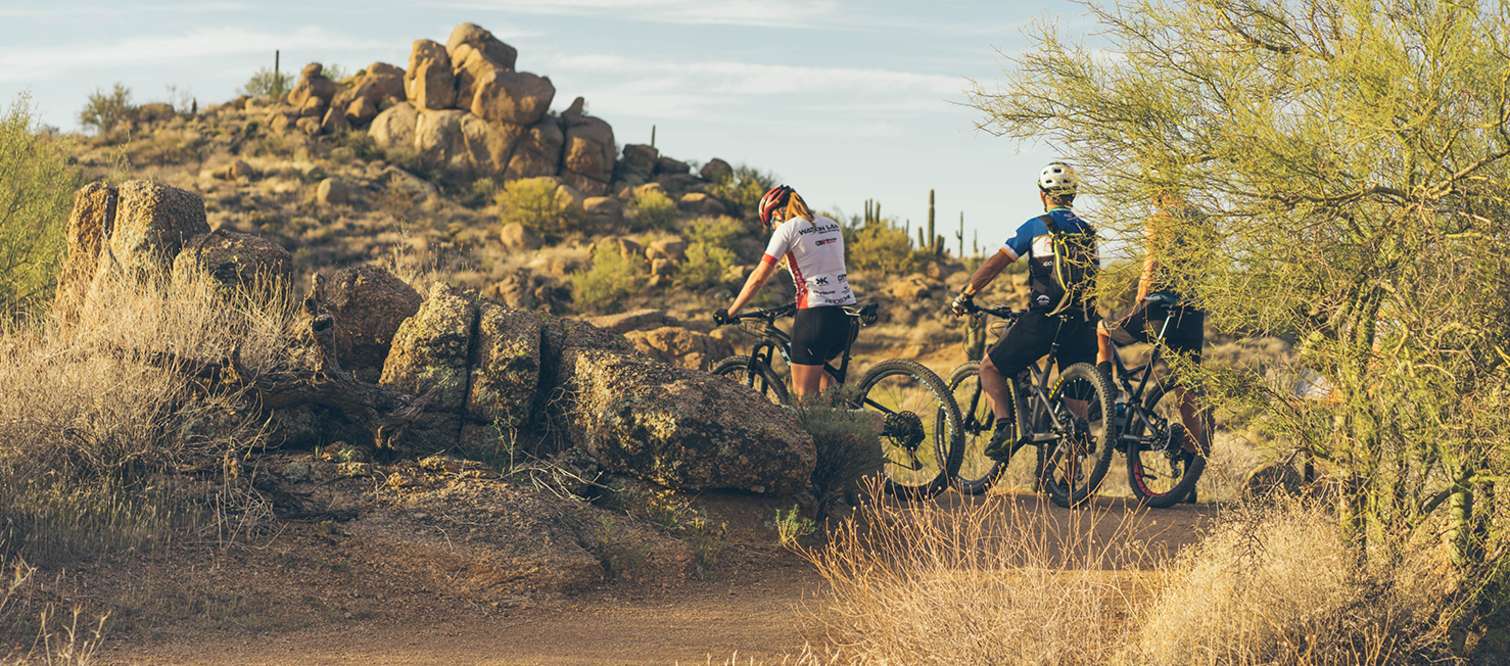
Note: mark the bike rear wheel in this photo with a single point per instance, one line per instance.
(1163, 469)
(976, 472)
(1074, 466)
(921, 429)
(763, 380)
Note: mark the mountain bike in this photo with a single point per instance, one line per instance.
(1073, 450)
(920, 429)
(1164, 461)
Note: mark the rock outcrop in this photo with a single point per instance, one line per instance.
(429, 82)
(236, 259)
(152, 222)
(368, 304)
(680, 346)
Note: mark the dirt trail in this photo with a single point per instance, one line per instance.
(754, 613)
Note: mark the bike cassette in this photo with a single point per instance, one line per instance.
(905, 428)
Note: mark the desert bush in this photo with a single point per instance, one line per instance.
(95, 411)
(704, 266)
(848, 445)
(881, 247)
(37, 187)
(541, 205)
(609, 277)
(104, 112)
(266, 83)
(650, 209)
(986, 582)
(1280, 585)
(792, 526)
(1247, 112)
(741, 194)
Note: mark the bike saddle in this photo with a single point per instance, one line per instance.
(1163, 299)
(867, 314)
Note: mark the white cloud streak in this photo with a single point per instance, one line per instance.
(34, 63)
(769, 13)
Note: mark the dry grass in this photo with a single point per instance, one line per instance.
(106, 449)
(996, 581)
(988, 582)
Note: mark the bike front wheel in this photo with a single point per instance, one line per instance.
(762, 379)
(921, 430)
(1073, 467)
(1163, 463)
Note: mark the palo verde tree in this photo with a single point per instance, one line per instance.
(36, 188)
(1350, 163)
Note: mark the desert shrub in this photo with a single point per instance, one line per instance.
(336, 72)
(96, 410)
(36, 186)
(609, 277)
(541, 205)
(265, 83)
(984, 582)
(104, 112)
(1281, 585)
(884, 248)
(792, 526)
(741, 194)
(704, 266)
(651, 209)
(848, 445)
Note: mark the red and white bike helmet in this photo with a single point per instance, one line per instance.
(775, 199)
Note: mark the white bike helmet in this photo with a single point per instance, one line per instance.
(1059, 179)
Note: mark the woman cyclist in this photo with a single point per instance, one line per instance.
(813, 248)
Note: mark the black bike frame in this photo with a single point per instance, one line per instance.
(1035, 390)
(1135, 406)
(773, 340)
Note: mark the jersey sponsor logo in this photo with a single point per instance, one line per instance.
(1043, 246)
(826, 241)
(818, 228)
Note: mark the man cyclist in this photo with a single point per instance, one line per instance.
(1063, 260)
(812, 246)
(1167, 235)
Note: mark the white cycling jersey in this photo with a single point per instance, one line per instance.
(814, 253)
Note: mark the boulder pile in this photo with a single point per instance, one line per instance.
(462, 108)
(485, 380)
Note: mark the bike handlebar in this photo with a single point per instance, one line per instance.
(1002, 312)
(770, 316)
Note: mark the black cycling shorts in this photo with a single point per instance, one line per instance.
(1186, 334)
(819, 334)
(1032, 336)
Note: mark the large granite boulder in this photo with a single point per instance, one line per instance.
(152, 222)
(515, 98)
(637, 164)
(680, 428)
(89, 227)
(313, 91)
(430, 82)
(393, 129)
(476, 55)
(504, 381)
(236, 259)
(538, 152)
(368, 304)
(589, 152)
(358, 103)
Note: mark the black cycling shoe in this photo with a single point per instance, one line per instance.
(1000, 446)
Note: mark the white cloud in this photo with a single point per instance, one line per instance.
(98, 11)
(662, 89)
(31, 63)
(774, 13)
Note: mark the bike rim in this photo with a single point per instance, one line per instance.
(1162, 462)
(1073, 458)
(978, 425)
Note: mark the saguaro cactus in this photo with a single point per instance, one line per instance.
(932, 245)
(961, 234)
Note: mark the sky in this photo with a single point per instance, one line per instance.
(842, 99)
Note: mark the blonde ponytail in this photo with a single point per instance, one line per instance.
(796, 207)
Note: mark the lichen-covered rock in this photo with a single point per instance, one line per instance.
(505, 367)
(680, 346)
(430, 82)
(430, 356)
(152, 222)
(680, 428)
(368, 304)
(236, 259)
(89, 227)
(515, 98)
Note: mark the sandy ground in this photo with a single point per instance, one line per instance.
(756, 614)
